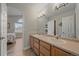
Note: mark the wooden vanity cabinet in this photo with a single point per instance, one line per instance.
(36, 46)
(52, 51)
(44, 49)
(58, 52)
(36, 51)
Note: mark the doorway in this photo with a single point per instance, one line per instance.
(15, 38)
(3, 29)
(52, 27)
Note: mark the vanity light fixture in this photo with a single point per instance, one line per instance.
(58, 6)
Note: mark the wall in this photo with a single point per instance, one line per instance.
(29, 27)
(41, 22)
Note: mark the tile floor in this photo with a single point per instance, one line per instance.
(16, 49)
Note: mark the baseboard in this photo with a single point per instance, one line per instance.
(27, 48)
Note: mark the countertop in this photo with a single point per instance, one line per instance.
(64, 44)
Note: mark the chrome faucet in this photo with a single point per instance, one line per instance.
(57, 37)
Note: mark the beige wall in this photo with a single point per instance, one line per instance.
(41, 22)
(29, 27)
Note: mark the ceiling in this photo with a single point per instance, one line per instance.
(13, 11)
(17, 8)
(34, 10)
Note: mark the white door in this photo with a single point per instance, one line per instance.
(51, 27)
(68, 26)
(3, 29)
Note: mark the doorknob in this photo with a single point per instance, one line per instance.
(2, 38)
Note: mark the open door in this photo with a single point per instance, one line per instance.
(3, 29)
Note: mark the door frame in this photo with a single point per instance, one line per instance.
(4, 29)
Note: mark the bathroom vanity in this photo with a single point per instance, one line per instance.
(44, 45)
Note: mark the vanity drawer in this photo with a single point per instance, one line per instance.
(45, 45)
(36, 45)
(59, 52)
(36, 40)
(44, 51)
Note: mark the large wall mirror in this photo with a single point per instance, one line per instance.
(68, 26)
(66, 22)
(63, 25)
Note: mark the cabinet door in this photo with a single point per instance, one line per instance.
(45, 45)
(36, 45)
(59, 52)
(36, 40)
(44, 51)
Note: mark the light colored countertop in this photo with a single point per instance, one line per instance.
(64, 44)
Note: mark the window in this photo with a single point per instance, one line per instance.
(19, 25)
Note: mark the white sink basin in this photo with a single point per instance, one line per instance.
(58, 41)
